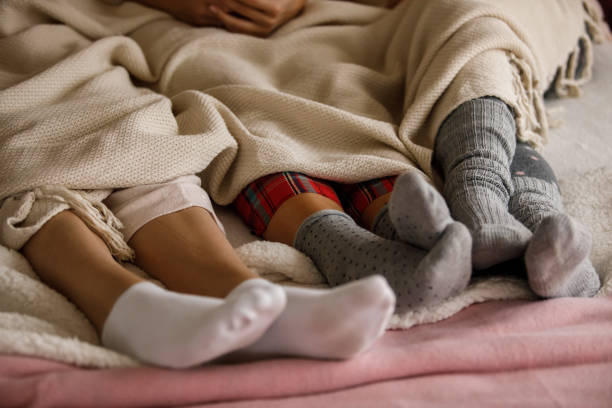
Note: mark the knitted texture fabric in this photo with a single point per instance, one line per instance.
(95, 96)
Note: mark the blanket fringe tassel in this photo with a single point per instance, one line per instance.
(95, 215)
(534, 119)
(579, 67)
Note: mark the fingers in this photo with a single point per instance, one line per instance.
(195, 12)
(248, 11)
(238, 24)
(242, 19)
(256, 17)
(272, 8)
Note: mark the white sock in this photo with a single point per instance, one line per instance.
(333, 323)
(176, 330)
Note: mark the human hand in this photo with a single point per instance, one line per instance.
(255, 17)
(196, 12)
(393, 3)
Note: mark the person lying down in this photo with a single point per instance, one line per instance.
(403, 246)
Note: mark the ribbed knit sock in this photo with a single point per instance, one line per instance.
(474, 147)
(335, 323)
(416, 213)
(536, 193)
(557, 259)
(176, 330)
(345, 252)
(533, 200)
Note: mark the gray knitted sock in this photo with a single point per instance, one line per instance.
(533, 200)
(344, 252)
(536, 192)
(474, 147)
(557, 259)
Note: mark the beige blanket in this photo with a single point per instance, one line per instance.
(100, 97)
(96, 96)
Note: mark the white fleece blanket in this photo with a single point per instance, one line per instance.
(37, 321)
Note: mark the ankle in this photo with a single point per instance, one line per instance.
(373, 211)
(286, 221)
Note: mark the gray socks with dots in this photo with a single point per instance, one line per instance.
(345, 252)
(474, 147)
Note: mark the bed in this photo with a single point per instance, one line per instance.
(494, 345)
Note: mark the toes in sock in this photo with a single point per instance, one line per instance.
(176, 330)
(345, 252)
(335, 323)
(417, 211)
(557, 259)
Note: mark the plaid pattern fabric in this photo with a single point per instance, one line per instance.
(257, 202)
(357, 197)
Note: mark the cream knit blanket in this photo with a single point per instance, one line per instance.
(95, 97)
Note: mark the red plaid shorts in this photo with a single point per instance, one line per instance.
(357, 197)
(259, 201)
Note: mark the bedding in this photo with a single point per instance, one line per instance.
(126, 88)
(488, 351)
(496, 354)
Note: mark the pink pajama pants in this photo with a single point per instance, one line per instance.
(136, 206)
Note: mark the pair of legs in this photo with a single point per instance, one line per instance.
(507, 196)
(310, 214)
(213, 304)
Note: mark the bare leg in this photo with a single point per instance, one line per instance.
(139, 318)
(369, 215)
(288, 218)
(72, 259)
(339, 322)
(345, 252)
(190, 241)
(313, 222)
(185, 250)
(188, 252)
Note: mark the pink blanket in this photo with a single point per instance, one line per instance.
(524, 354)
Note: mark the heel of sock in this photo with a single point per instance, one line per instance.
(557, 259)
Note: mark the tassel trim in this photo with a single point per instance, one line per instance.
(532, 116)
(95, 215)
